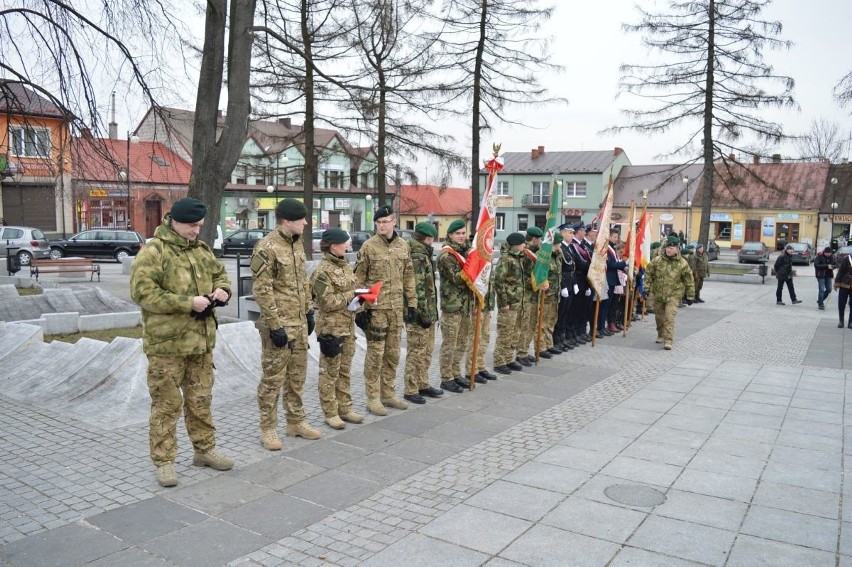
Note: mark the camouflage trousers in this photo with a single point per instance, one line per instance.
(455, 333)
(484, 339)
(699, 283)
(551, 314)
(383, 337)
(283, 369)
(421, 344)
(665, 311)
(505, 347)
(333, 383)
(175, 383)
(527, 325)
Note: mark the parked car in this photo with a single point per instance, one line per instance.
(753, 252)
(359, 237)
(842, 253)
(803, 253)
(711, 249)
(242, 241)
(99, 243)
(31, 243)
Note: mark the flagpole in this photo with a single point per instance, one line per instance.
(631, 267)
(474, 353)
(595, 321)
(539, 323)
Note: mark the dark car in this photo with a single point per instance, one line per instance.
(99, 243)
(242, 241)
(753, 252)
(359, 237)
(27, 243)
(842, 253)
(711, 249)
(803, 253)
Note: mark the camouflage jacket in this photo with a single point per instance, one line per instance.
(509, 280)
(669, 278)
(456, 295)
(280, 285)
(166, 274)
(554, 275)
(700, 265)
(383, 260)
(528, 263)
(424, 281)
(332, 289)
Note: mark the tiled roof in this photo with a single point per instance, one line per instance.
(15, 98)
(442, 201)
(664, 184)
(546, 162)
(102, 159)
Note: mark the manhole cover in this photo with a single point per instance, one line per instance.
(635, 495)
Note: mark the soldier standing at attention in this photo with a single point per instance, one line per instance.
(384, 258)
(551, 300)
(456, 307)
(509, 289)
(669, 279)
(484, 332)
(701, 270)
(420, 332)
(568, 293)
(333, 289)
(286, 319)
(175, 279)
(528, 320)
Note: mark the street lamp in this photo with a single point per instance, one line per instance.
(688, 205)
(125, 176)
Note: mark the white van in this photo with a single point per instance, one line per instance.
(217, 242)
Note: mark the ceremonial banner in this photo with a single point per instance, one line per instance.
(477, 268)
(631, 242)
(542, 262)
(597, 269)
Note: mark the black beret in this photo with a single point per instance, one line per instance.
(514, 239)
(290, 209)
(383, 211)
(335, 236)
(188, 210)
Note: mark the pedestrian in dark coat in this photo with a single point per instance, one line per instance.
(784, 273)
(843, 285)
(824, 271)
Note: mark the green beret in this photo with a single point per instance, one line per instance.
(691, 247)
(557, 238)
(383, 211)
(290, 209)
(455, 225)
(535, 232)
(686, 251)
(335, 236)
(188, 210)
(655, 245)
(673, 241)
(426, 229)
(514, 239)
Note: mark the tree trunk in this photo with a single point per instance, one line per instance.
(707, 174)
(310, 174)
(476, 118)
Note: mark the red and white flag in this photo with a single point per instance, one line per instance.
(597, 268)
(477, 267)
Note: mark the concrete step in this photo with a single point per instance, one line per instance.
(16, 336)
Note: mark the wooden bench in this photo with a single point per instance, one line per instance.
(65, 266)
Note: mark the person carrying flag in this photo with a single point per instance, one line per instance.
(528, 320)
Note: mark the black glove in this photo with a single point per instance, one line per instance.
(330, 345)
(208, 311)
(411, 315)
(312, 322)
(363, 318)
(425, 323)
(279, 337)
(688, 301)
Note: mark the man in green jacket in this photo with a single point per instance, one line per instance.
(177, 282)
(669, 279)
(509, 291)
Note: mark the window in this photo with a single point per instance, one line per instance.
(541, 193)
(333, 179)
(522, 222)
(409, 225)
(541, 221)
(13, 233)
(574, 189)
(500, 221)
(30, 142)
(502, 190)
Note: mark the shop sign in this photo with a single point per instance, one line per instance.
(616, 217)
(788, 216)
(573, 212)
(719, 217)
(666, 217)
(342, 203)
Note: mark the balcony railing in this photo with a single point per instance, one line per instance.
(536, 201)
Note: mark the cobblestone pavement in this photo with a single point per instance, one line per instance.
(740, 427)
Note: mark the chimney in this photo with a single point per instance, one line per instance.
(732, 157)
(617, 151)
(844, 161)
(755, 158)
(286, 122)
(776, 158)
(113, 125)
(541, 150)
(534, 153)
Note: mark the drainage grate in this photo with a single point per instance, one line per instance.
(635, 495)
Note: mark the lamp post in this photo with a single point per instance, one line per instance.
(834, 206)
(688, 205)
(125, 176)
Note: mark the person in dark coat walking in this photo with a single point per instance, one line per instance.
(843, 285)
(824, 271)
(784, 273)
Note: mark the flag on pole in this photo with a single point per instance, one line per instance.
(597, 268)
(643, 239)
(542, 261)
(477, 268)
(631, 242)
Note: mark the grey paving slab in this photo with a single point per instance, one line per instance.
(803, 476)
(634, 415)
(333, 489)
(133, 557)
(74, 544)
(382, 469)
(739, 447)
(212, 542)
(792, 527)
(328, 455)
(416, 550)
(145, 520)
(459, 434)
(798, 499)
(546, 546)
(407, 424)
(370, 437)
(549, 477)
(716, 484)
(595, 519)
(659, 434)
(738, 417)
(281, 471)
(276, 516)
(750, 551)
(217, 495)
(422, 449)
(632, 556)
(600, 442)
(725, 463)
(701, 509)
(481, 530)
(575, 458)
(614, 427)
(519, 501)
(642, 471)
(689, 423)
(687, 540)
(806, 457)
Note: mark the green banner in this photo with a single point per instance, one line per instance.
(542, 263)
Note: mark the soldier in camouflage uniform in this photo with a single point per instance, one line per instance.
(420, 332)
(176, 281)
(700, 270)
(333, 289)
(456, 307)
(669, 279)
(509, 289)
(384, 258)
(286, 319)
(484, 332)
(551, 299)
(528, 320)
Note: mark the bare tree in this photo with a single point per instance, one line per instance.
(824, 142)
(716, 78)
(501, 60)
(843, 90)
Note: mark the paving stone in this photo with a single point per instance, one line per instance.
(276, 516)
(575, 458)
(792, 527)
(515, 500)
(146, 520)
(684, 539)
(333, 489)
(631, 557)
(725, 463)
(806, 457)
(659, 434)
(73, 544)
(805, 477)
(328, 455)
(132, 557)
(689, 423)
(701, 509)
(660, 452)
(750, 551)
(545, 546)
(595, 519)
(715, 484)
(278, 472)
(422, 449)
(212, 542)
(638, 470)
(416, 550)
(458, 434)
(600, 442)
(806, 441)
(549, 477)
(753, 419)
(370, 438)
(798, 499)
(481, 530)
(633, 415)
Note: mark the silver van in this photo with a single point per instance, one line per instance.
(31, 243)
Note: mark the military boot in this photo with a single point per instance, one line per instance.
(667, 345)
(269, 439)
(335, 422)
(213, 460)
(375, 407)
(303, 430)
(394, 403)
(166, 475)
(352, 417)
(659, 340)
